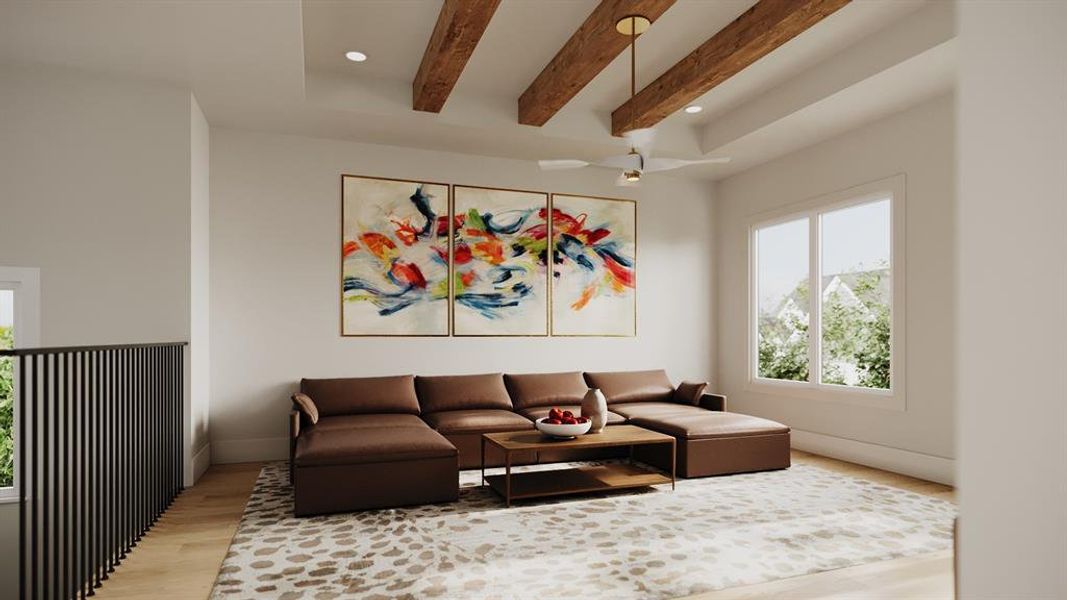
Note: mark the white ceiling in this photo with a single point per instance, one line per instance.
(279, 66)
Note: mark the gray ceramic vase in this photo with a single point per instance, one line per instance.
(595, 407)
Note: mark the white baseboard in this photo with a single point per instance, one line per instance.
(249, 450)
(201, 461)
(905, 462)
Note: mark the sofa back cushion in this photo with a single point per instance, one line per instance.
(530, 390)
(462, 392)
(362, 395)
(632, 386)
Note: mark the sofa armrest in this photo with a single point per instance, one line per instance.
(713, 402)
(294, 432)
(294, 425)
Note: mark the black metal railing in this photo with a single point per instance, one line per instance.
(99, 438)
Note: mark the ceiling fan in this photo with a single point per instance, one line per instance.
(638, 160)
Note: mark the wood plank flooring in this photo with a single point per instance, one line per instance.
(181, 556)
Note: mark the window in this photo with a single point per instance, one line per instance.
(7, 390)
(783, 277)
(19, 324)
(856, 299)
(843, 341)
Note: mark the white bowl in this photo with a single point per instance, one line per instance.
(562, 431)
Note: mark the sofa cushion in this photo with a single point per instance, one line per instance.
(633, 410)
(689, 392)
(462, 392)
(388, 444)
(477, 421)
(710, 425)
(542, 411)
(375, 421)
(545, 389)
(306, 406)
(362, 395)
(632, 386)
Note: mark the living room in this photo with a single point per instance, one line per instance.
(473, 299)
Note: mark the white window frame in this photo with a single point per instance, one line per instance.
(26, 283)
(894, 398)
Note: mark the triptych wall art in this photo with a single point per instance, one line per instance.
(432, 259)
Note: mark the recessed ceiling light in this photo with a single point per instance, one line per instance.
(354, 56)
(693, 109)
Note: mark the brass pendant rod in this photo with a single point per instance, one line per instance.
(633, 66)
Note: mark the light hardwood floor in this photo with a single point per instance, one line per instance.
(180, 557)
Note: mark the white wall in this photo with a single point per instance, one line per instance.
(919, 143)
(199, 363)
(9, 546)
(1013, 300)
(275, 219)
(94, 190)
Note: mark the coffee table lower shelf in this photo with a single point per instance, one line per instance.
(580, 480)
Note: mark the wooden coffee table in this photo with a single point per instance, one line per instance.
(580, 480)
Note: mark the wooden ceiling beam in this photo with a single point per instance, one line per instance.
(460, 26)
(753, 35)
(588, 51)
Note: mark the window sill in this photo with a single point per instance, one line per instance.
(864, 397)
(9, 496)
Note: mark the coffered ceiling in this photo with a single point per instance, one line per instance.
(280, 66)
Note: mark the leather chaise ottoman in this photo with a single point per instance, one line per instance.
(358, 443)
(718, 443)
(711, 441)
(343, 469)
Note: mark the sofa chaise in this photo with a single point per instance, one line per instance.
(363, 445)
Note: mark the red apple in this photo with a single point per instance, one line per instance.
(553, 421)
(582, 420)
(568, 414)
(570, 421)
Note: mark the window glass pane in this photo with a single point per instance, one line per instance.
(782, 300)
(7, 396)
(856, 295)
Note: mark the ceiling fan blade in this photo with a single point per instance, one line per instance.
(626, 162)
(666, 164)
(556, 165)
(623, 182)
(641, 140)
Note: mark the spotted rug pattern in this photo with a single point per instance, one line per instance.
(708, 534)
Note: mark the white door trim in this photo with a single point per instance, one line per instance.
(26, 283)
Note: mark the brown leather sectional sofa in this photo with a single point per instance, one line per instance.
(374, 442)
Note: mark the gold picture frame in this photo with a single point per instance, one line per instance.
(459, 314)
(568, 328)
(394, 242)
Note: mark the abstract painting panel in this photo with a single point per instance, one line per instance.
(594, 255)
(394, 248)
(500, 258)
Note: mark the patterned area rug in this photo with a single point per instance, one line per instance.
(709, 534)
